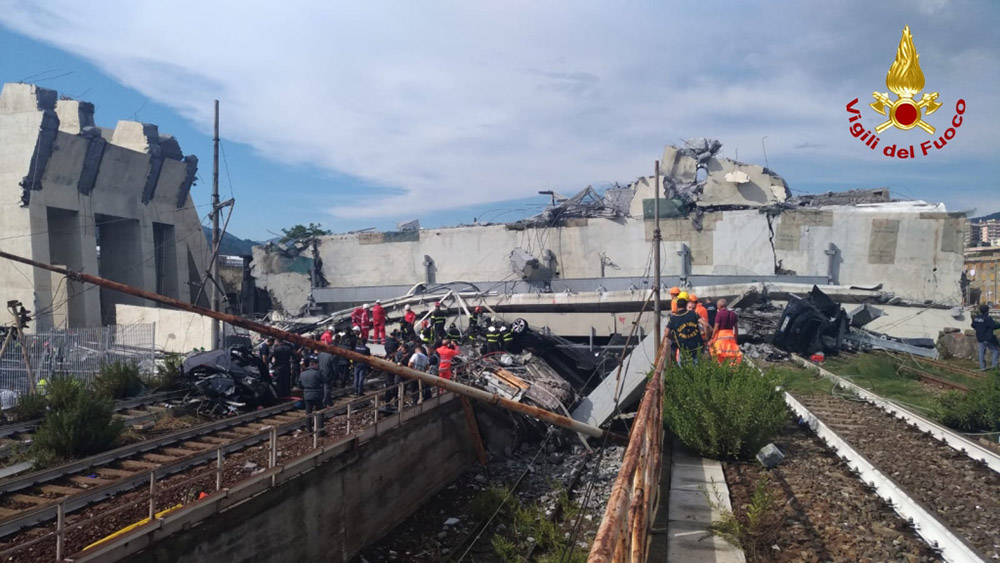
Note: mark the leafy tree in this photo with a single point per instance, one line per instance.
(302, 231)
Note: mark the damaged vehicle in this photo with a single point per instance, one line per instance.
(811, 324)
(224, 382)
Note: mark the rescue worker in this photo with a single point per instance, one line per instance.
(438, 319)
(366, 322)
(507, 338)
(328, 369)
(391, 344)
(475, 319)
(409, 317)
(674, 292)
(687, 331)
(344, 364)
(420, 362)
(724, 345)
(378, 322)
(426, 333)
(712, 310)
(986, 337)
(356, 315)
(725, 319)
(281, 361)
(311, 381)
(699, 308)
(327, 336)
(492, 337)
(264, 350)
(42, 387)
(360, 368)
(446, 353)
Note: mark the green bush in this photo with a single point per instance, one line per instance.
(79, 423)
(975, 411)
(722, 411)
(63, 391)
(31, 406)
(168, 373)
(119, 380)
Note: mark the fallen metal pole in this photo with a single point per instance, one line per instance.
(319, 346)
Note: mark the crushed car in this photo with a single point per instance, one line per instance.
(224, 382)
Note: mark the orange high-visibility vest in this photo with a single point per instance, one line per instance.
(725, 348)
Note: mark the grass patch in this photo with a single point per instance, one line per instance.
(523, 521)
(878, 373)
(800, 381)
(722, 411)
(754, 528)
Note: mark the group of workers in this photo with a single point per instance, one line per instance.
(695, 328)
(433, 349)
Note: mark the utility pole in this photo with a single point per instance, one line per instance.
(656, 259)
(215, 229)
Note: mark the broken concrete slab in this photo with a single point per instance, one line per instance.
(860, 316)
(600, 405)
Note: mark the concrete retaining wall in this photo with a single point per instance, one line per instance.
(333, 511)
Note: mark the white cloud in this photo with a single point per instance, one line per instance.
(449, 104)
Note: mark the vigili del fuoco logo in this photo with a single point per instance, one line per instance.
(905, 80)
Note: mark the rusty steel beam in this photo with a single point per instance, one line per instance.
(935, 378)
(318, 346)
(612, 542)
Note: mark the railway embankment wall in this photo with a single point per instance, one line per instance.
(333, 511)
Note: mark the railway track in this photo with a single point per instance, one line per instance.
(928, 377)
(948, 486)
(34, 498)
(133, 410)
(98, 511)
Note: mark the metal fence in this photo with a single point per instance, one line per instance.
(77, 352)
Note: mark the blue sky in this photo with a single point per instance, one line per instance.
(356, 115)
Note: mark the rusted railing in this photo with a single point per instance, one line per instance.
(624, 532)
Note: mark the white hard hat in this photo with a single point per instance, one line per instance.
(378, 301)
(356, 328)
(366, 306)
(407, 308)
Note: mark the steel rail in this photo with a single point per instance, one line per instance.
(952, 546)
(318, 346)
(123, 452)
(931, 378)
(956, 441)
(15, 523)
(29, 425)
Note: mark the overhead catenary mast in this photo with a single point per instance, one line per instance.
(656, 257)
(216, 209)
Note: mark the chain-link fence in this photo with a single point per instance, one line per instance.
(77, 352)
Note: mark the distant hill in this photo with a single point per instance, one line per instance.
(986, 217)
(231, 245)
